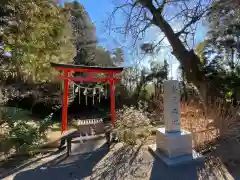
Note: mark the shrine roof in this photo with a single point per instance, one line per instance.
(73, 66)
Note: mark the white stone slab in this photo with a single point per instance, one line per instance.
(171, 105)
(178, 160)
(174, 143)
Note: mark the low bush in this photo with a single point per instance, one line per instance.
(132, 124)
(19, 132)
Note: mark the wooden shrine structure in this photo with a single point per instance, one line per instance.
(69, 69)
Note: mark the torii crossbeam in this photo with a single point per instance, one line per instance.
(68, 69)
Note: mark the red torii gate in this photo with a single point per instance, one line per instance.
(68, 69)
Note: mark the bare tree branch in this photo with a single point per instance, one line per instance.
(191, 22)
(137, 20)
(157, 46)
(192, 13)
(158, 4)
(161, 6)
(184, 13)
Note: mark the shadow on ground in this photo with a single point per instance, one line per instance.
(202, 170)
(122, 162)
(227, 151)
(77, 166)
(17, 163)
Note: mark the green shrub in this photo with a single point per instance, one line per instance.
(21, 132)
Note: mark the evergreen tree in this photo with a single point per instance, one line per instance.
(84, 34)
(37, 32)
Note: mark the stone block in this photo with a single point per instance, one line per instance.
(194, 157)
(172, 105)
(175, 143)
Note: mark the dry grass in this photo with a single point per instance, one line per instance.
(195, 120)
(216, 129)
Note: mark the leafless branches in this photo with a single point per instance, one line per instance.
(139, 15)
(136, 20)
(190, 16)
(161, 6)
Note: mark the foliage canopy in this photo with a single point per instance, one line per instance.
(37, 32)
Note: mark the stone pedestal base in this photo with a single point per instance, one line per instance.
(178, 160)
(175, 143)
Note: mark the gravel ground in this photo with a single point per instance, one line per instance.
(121, 163)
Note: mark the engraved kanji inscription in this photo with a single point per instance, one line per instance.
(174, 111)
(174, 89)
(176, 122)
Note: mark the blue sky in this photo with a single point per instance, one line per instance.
(99, 11)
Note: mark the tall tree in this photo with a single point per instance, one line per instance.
(103, 57)
(142, 14)
(37, 32)
(84, 33)
(130, 78)
(118, 56)
(224, 41)
(224, 31)
(158, 74)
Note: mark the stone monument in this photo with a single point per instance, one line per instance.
(171, 106)
(173, 144)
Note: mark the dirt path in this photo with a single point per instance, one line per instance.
(121, 163)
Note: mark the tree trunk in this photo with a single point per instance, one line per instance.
(188, 59)
(185, 94)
